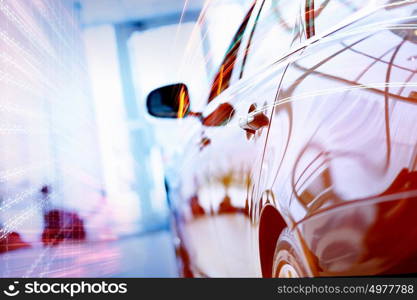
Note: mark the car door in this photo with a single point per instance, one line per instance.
(221, 211)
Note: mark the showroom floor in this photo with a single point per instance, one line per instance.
(149, 255)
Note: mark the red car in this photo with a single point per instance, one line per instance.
(61, 225)
(305, 159)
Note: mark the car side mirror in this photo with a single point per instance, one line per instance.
(171, 101)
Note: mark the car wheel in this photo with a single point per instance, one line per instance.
(288, 257)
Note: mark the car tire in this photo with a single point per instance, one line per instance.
(288, 257)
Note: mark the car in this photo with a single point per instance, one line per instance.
(304, 160)
(60, 226)
(12, 241)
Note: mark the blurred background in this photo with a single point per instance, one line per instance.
(83, 165)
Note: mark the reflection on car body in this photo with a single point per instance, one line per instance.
(314, 173)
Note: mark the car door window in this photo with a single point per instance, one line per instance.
(274, 33)
(223, 77)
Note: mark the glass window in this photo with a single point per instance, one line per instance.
(223, 77)
(274, 33)
(221, 20)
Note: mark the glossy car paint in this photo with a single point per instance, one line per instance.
(306, 166)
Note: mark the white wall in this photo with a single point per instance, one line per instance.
(123, 209)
